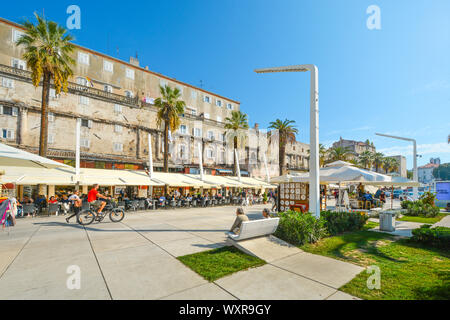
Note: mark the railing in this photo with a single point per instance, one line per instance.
(74, 87)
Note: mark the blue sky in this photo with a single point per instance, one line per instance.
(395, 80)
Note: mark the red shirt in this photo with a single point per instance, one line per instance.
(92, 195)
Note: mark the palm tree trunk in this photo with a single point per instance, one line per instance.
(281, 160)
(166, 146)
(43, 137)
(235, 168)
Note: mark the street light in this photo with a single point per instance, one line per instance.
(415, 191)
(314, 186)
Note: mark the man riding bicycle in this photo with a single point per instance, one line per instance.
(93, 196)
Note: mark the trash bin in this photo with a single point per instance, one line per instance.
(387, 221)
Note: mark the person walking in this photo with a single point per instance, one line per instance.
(76, 204)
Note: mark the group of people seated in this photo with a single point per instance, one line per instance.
(242, 217)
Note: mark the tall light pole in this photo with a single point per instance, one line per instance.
(415, 174)
(314, 186)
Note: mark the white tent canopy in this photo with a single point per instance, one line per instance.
(10, 156)
(344, 172)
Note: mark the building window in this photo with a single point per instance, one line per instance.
(207, 99)
(108, 66)
(129, 73)
(229, 106)
(218, 103)
(19, 64)
(197, 132)
(191, 110)
(210, 153)
(51, 117)
(206, 115)
(117, 108)
(211, 135)
(181, 89)
(108, 88)
(85, 143)
(7, 83)
(128, 94)
(194, 94)
(84, 100)
(182, 152)
(53, 94)
(86, 123)
(51, 139)
(183, 129)
(8, 134)
(118, 147)
(83, 58)
(16, 34)
(219, 119)
(82, 81)
(9, 111)
(117, 128)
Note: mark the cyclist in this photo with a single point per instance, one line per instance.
(93, 196)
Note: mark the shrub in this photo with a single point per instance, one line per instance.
(405, 204)
(421, 209)
(428, 198)
(265, 197)
(299, 228)
(339, 222)
(436, 237)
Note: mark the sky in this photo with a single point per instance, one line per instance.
(393, 80)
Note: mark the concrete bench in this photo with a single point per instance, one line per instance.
(255, 228)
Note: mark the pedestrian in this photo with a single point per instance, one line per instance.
(76, 204)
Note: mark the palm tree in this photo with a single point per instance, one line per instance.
(170, 107)
(390, 164)
(366, 159)
(235, 127)
(339, 153)
(47, 50)
(286, 133)
(377, 158)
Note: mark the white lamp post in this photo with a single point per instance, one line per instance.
(77, 152)
(415, 174)
(150, 156)
(314, 186)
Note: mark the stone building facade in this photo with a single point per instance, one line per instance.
(115, 101)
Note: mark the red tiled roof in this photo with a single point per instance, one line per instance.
(429, 165)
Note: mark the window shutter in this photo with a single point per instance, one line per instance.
(11, 134)
(89, 123)
(1, 109)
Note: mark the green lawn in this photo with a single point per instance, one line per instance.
(408, 271)
(217, 263)
(423, 219)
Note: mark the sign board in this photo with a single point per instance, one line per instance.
(443, 191)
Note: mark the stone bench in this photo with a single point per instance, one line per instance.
(255, 228)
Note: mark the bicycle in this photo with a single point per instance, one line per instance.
(87, 216)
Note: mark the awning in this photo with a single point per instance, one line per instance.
(10, 156)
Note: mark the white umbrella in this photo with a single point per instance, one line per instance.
(10, 156)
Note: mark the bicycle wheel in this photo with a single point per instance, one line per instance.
(116, 215)
(85, 217)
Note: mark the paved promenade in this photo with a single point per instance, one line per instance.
(136, 259)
